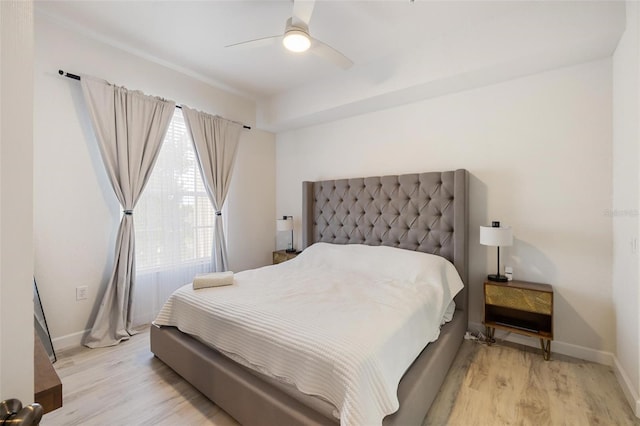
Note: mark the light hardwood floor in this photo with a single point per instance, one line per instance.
(498, 385)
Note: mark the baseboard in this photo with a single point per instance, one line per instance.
(74, 340)
(627, 388)
(69, 341)
(576, 351)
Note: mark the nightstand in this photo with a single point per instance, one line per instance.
(520, 307)
(280, 256)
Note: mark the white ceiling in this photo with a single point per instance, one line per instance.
(403, 51)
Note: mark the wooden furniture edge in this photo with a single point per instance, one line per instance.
(47, 386)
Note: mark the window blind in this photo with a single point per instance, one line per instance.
(174, 217)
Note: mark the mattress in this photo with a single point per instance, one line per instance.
(317, 403)
(300, 322)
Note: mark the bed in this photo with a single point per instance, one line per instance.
(424, 212)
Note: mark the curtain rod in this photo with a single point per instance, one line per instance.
(77, 77)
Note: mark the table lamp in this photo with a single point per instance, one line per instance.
(498, 236)
(286, 224)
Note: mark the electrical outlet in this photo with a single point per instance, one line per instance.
(82, 292)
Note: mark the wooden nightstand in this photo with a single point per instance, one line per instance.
(280, 256)
(520, 307)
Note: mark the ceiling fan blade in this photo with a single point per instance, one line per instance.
(302, 11)
(329, 53)
(258, 42)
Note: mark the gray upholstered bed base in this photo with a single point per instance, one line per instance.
(251, 400)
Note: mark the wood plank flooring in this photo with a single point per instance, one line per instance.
(507, 384)
(498, 385)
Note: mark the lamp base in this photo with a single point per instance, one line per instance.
(498, 278)
(290, 250)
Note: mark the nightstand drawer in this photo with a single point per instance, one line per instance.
(519, 298)
(520, 307)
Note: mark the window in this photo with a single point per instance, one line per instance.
(174, 217)
(173, 222)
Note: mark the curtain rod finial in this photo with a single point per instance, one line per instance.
(69, 75)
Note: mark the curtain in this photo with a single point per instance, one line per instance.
(129, 127)
(216, 143)
(174, 225)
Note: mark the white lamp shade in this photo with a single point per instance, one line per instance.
(500, 237)
(284, 224)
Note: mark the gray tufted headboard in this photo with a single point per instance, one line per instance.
(426, 212)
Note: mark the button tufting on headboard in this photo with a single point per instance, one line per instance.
(414, 204)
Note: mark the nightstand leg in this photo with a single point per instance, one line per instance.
(490, 333)
(546, 349)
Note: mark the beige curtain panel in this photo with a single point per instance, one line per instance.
(130, 128)
(216, 143)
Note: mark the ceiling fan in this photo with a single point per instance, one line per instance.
(296, 37)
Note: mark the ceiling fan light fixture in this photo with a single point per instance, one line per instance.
(296, 41)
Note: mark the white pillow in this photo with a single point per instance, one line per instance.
(405, 266)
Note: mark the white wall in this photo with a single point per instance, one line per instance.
(626, 204)
(16, 204)
(252, 202)
(76, 214)
(539, 152)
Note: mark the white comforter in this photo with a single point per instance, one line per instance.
(341, 322)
